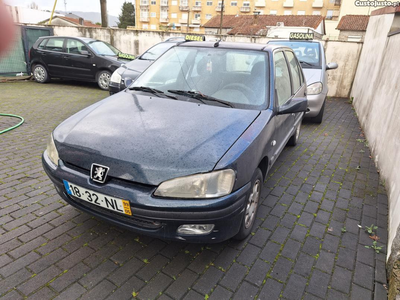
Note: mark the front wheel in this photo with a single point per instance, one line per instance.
(103, 79)
(252, 203)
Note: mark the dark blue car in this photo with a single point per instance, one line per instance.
(183, 152)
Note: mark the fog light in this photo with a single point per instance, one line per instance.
(195, 229)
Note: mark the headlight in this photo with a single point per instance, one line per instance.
(210, 185)
(314, 88)
(52, 152)
(115, 77)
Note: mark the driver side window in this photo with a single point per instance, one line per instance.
(282, 79)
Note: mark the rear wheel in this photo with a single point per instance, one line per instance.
(40, 74)
(252, 203)
(318, 118)
(103, 79)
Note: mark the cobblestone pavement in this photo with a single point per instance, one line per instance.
(307, 243)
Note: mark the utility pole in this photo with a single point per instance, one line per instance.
(222, 17)
(188, 19)
(103, 9)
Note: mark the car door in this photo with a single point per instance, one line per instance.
(77, 64)
(283, 94)
(298, 87)
(52, 54)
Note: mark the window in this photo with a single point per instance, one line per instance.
(329, 14)
(316, 13)
(174, 3)
(55, 45)
(153, 2)
(75, 46)
(174, 16)
(164, 14)
(209, 3)
(246, 4)
(42, 43)
(295, 70)
(208, 16)
(153, 14)
(184, 2)
(272, 12)
(196, 29)
(197, 3)
(282, 79)
(144, 13)
(145, 26)
(153, 27)
(197, 16)
(233, 3)
(184, 16)
(287, 12)
(301, 12)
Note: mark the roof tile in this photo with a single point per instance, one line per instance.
(353, 23)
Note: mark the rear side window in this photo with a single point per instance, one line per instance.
(295, 70)
(55, 45)
(42, 43)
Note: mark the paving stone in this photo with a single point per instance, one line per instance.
(311, 246)
(349, 240)
(335, 295)
(306, 219)
(123, 273)
(181, 285)
(299, 233)
(288, 221)
(304, 265)
(150, 269)
(14, 280)
(226, 257)
(271, 289)
(341, 280)
(248, 255)
(18, 264)
(318, 230)
(258, 272)
(208, 280)
(125, 291)
(100, 291)
(295, 287)
(260, 238)
(346, 258)
(270, 222)
(48, 260)
(291, 249)
(73, 292)
(234, 276)
(360, 293)
(281, 269)
(318, 284)
(325, 261)
(295, 208)
(323, 217)
(221, 294)
(366, 256)
(380, 292)
(39, 280)
(364, 276)
(246, 291)
(280, 234)
(270, 251)
(331, 243)
(327, 204)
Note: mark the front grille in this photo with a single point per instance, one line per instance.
(131, 220)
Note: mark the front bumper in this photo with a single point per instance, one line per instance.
(156, 217)
(315, 103)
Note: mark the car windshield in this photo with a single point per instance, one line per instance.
(155, 52)
(103, 48)
(308, 53)
(238, 77)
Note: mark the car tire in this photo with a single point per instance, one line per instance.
(251, 206)
(318, 118)
(40, 74)
(295, 137)
(103, 79)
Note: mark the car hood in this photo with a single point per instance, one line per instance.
(115, 59)
(138, 65)
(149, 140)
(312, 75)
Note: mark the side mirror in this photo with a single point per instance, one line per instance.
(85, 52)
(128, 81)
(294, 106)
(331, 66)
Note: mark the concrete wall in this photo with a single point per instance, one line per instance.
(376, 92)
(345, 54)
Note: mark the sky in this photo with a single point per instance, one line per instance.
(113, 6)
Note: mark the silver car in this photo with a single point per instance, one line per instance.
(311, 56)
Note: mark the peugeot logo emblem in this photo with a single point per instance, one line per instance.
(98, 173)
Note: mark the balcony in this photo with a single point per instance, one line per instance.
(245, 9)
(196, 21)
(184, 8)
(336, 13)
(288, 3)
(144, 19)
(338, 2)
(318, 4)
(196, 8)
(164, 4)
(183, 21)
(260, 3)
(218, 8)
(164, 20)
(144, 4)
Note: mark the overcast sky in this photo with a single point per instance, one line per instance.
(113, 6)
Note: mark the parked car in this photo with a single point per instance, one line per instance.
(311, 56)
(124, 75)
(183, 153)
(74, 58)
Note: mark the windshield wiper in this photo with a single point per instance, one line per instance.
(152, 91)
(199, 96)
(306, 63)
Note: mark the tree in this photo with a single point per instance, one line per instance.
(127, 16)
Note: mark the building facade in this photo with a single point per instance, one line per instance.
(190, 15)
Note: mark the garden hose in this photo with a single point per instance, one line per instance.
(15, 126)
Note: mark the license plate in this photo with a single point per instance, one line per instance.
(95, 198)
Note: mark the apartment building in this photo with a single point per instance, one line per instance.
(190, 15)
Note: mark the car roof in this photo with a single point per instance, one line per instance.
(232, 45)
(84, 39)
(295, 41)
